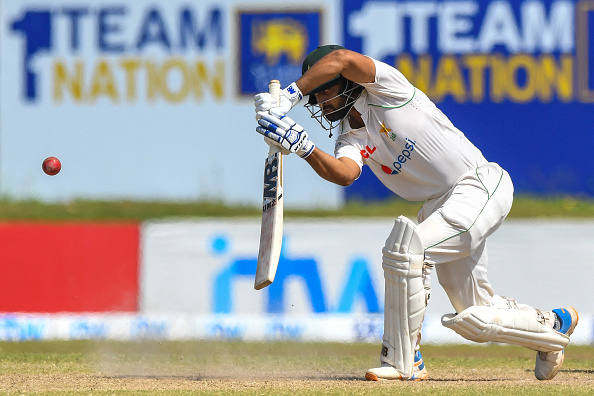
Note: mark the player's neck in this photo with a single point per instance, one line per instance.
(355, 120)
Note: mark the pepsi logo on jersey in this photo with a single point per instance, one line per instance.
(404, 156)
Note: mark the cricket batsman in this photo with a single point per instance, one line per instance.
(386, 123)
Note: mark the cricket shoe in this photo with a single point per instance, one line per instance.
(564, 321)
(387, 372)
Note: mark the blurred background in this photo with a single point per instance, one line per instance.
(149, 102)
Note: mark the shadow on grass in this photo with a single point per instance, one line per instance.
(235, 377)
(346, 378)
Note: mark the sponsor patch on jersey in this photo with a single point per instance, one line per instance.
(404, 156)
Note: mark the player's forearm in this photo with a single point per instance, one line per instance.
(349, 64)
(332, 169)
(322, 71)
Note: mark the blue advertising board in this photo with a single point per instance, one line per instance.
(517, 77)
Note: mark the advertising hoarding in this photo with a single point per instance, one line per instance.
(515, 76)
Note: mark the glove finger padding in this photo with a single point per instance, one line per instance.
(275, 116)
(286, 132)
(263, 102)
(275, 138)
(269, 134)
(285, 120)
(273, 124)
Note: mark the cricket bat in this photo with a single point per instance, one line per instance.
(271, 231)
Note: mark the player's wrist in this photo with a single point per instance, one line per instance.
(293, 93)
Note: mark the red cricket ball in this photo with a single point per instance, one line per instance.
(51, 166)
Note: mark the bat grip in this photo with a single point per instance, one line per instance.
(274, 88)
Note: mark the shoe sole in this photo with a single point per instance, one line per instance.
(574, 313)
(373, 377)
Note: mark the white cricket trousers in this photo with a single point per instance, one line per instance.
(454, 230)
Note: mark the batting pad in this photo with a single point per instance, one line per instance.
(404, 311)
(510, 326)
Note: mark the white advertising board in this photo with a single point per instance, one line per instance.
(334, 266)
(196, 282)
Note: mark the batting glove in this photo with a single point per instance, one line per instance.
(289, 98)
(273, 144)
(286, 132)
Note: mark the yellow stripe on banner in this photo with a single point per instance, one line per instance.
(583, 10)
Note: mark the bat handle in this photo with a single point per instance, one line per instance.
(273, 150)
(274, 90)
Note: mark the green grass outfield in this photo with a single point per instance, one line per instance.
(172, 368)
(524, 207)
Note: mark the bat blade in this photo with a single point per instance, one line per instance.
(271, 232)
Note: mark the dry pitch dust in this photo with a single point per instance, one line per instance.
(279, 368)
